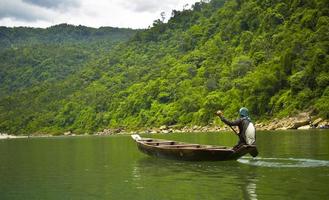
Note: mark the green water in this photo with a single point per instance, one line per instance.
(291, 165)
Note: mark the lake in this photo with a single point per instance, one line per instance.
(290, 165)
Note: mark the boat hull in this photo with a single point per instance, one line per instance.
(192, 152)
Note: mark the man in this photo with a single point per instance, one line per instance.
(247, 132)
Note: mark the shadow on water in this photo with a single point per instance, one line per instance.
(219, 179)
(283, 162)
(156, 166)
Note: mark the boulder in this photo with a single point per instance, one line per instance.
(323, 125)
(303, 122)
(306, 127)
(302, 119)
(316, 122)
(68, 133)
(118, 130)
(166, 131)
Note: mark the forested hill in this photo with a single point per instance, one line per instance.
(61, 34)
(33, 56)
(270, 56)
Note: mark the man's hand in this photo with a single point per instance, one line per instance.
(219, 113)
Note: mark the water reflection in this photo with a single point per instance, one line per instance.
(249, 189)
(209, 180)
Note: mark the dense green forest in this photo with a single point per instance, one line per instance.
(31, 56)
(270, 56)
(62, 34)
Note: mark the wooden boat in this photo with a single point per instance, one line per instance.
(191, 152)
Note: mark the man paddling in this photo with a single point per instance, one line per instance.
(247, 131)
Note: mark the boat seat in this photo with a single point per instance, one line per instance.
(160, 143)
(181, 146)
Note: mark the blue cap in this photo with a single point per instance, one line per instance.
(243, 112)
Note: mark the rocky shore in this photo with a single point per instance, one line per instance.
(302, 121)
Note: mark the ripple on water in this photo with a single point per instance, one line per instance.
(284, 162)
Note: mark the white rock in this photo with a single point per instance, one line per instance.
(164, 127)
(282, 129)
(67, 133)
(306, 127)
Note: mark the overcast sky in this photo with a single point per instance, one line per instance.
(93, 13)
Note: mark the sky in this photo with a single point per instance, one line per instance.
(92, 13)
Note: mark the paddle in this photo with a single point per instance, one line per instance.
(233, 130)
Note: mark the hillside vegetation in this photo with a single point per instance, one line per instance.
(270, 56)
(61, 34)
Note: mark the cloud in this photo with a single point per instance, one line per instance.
(54, 4)
(147, 5)
(16, 9)
(94, 13)
(154, 5)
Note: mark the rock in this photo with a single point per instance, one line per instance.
(164, 127)
(306, 127)
(271, 127)
(4, 136)
(118, 130)
(147, 131)
(68, 133)
(108, 132)
(323, 125)
(282, 129)
(259, 125)
(300, 123)
(185, 129)
(316, 122)
(166, 131)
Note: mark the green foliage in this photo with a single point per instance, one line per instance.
(322, 104)
(62, 34)
(270, 56)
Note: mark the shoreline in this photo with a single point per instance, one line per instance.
(302, 121)
(6, 136)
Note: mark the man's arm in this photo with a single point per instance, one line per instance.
(230, 123)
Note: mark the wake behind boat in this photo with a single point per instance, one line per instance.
(191, 152)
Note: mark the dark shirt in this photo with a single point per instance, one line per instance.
(242, 123)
